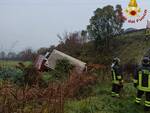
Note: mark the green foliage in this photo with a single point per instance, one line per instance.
(11, 63)
(13, 74)
(62, 68)
(85, 91)
(134, 46)
(24, 75)
(48, 77)
(104, 103)
(83, 106)
(105, 23)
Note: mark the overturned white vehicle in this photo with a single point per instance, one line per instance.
(49, 61)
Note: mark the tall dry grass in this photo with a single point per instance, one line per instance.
(32, 98)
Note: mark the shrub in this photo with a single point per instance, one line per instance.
(12, 74)
(63, 65)
(62, 68)
(21, 75)
(46, 78)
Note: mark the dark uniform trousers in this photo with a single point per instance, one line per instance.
(141, 82)
(116, 88)
(116, 81)
(139, 96)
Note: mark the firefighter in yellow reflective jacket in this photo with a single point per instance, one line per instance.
(142, 82)
(117, 78)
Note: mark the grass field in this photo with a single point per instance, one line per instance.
(12, 63)
(104, 103)
(133, 47)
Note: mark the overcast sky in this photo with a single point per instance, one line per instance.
(36, 23)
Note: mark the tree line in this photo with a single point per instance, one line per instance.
(94, 41)
(25, 55)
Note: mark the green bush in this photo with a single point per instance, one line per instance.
(47, 77)
(17, 76)
(12, 74)
(62, 68)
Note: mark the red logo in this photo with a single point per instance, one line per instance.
(133, 12)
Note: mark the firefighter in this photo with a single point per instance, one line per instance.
(142, 82)
(117, 78)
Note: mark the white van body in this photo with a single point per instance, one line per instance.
(57, 55)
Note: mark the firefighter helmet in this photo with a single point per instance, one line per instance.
(146, 61)
(116, 60)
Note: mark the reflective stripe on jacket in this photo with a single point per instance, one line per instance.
(116, 75)
(142, 79)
